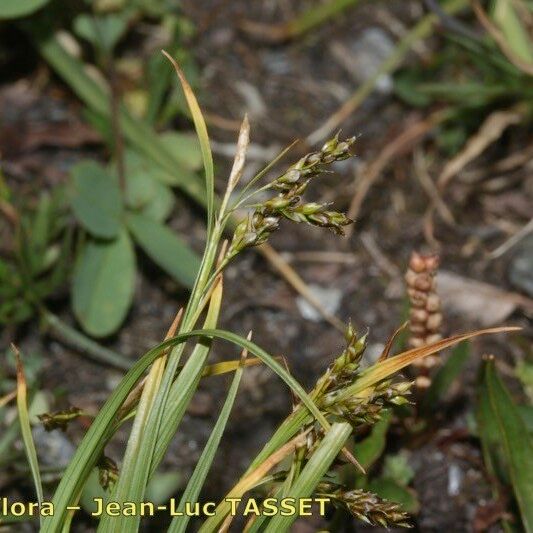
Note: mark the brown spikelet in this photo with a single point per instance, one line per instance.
(425, 317)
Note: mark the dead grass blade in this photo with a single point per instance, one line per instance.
(4, 400)
(25, 427)
(385, 354)
(421, 172)
(309, 19)
(490, 131)
(499, 37)
(298, 284)
(384, 369)
(420, 31)
(369, 174)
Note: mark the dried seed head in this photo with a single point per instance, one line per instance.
(425, 318)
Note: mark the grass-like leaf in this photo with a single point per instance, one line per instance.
(388, 367)
(192, 491)
(141, 458)
(313, 472)
(25, 427)
(94, 441)
(203, 137)
(505, 427)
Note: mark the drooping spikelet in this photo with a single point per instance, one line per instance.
(288, 204)
(365, 506)
(425, 317)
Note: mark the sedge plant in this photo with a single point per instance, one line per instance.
(299, 459)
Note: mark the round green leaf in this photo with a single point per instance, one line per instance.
(161, 204)
(19, 8)
(185, 148)
(104, 279)
(165, 248)
(140, 187)
(96, 200)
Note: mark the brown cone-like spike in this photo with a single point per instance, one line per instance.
(425, 317)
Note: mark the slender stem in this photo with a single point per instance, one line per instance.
(85, 344)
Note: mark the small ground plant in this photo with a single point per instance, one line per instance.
(301, 459)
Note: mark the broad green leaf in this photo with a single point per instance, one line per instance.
(140, 187)
(165, 248)
(517, 443)
(162, 486)
(25, 428)
(313, 472)
(10, 9)
(96, 200)
(103, 284)
(192, 492)
(391, 490)
(397, 467)
(445, 376)
(146, 187)
(184, 147)
(161, 204)
(102, 31)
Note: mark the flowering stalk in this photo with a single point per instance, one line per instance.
(425, 317)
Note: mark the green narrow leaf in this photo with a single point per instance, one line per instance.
(203, 138)
(179, 524)
(10, 9)
(25, 428)
(103, 284)
(92, 445)
(139, 461)
(96, 200)
(516, 35)
(313, 472)
(165, 248)
(517, 444)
